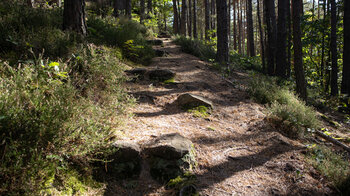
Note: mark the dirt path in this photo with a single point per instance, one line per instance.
(238, 153)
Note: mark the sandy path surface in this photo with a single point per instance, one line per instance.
(238, 152)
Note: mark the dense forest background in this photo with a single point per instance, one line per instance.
(62, 64)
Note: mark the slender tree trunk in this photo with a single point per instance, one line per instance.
(183, 17)
(222, 44)
(74, 16)
(142, 10)
(334, 76)
(239, 8)
(189, 18)
(281, 60)
(250, 28)
(345, 86)
(207, 19)
(234, 25)
(176, 17)
(271, 35)
(128, 8)
(194, 19)
(149, 7)
(261, 37)
(229, 21)
(289, 42)
(298, 54)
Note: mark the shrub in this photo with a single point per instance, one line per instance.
(332, 165)
(284, 108)
(196, 47)
(52, 113)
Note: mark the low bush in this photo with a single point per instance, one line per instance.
(332, 165)
(196, 47)
(52, 113)
(284, 108)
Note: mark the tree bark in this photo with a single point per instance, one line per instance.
(270, 17)
(207, 19)
(234, 25)
(189, 19)
(128, 8)
(250, 28)
(74, 16)
(261, 37)
(176, 17)
(281, 55)
(194, 19)
(289, 42)
(229, 21)
(334, 73)
(298, 54)
(222, 44)
(142, 11)
(183, 17)
(345, 87)
(149, 7)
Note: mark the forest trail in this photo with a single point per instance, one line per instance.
(238, 152)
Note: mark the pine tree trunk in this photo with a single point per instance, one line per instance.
(345, 87)
(334, 73)
(207, 19)
(270, 18)
(128, 8)
(194, 20)
(176, 17)
(289, 42)
(239, 8)
(234, 25)
(229, 22)
(222, 44)
(183, 17)
(189, 18)
(149, 7)
(261, 37)
(298, 54)
(74, 16)
(142, 11)
(250, 28)
(281, 60)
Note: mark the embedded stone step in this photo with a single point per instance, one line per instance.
(189, 100)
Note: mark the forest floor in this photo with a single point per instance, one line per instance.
(237, 150)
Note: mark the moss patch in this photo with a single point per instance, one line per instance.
(199, 111)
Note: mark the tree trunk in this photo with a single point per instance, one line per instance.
(149, 7)
(289, 42)
(261, 37)
(229, 22)
(298, 53)
(270, 17)
(30, 3)
(234, 25)
(207, 19)
(74, 16)
(189, 18)
(142, 11)
(345, 86)
(281, 60)
(194, 19)
(222, 44)
(183, 17)
(239, 14)
(176, 17)
(334, 76)
(250, 28)
(128, 8)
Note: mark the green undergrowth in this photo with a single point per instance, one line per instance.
(53, 112)
(283, 107)
(334, 166)
(196, 47)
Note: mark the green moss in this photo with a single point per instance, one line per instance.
(200, 111)
(170, 81)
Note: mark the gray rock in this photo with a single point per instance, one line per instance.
(189, 100)
(126, 151)
(161, 74)
(155, 42)
(170, 146)
(137, 71)
(160, 53)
